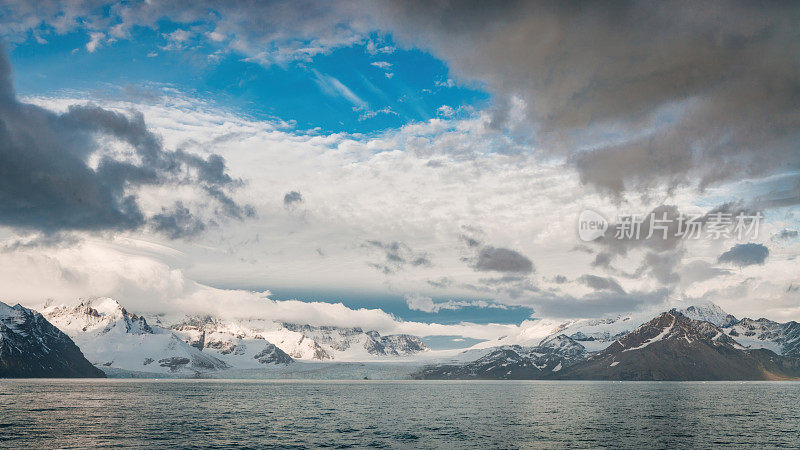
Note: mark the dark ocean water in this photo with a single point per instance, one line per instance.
(396, 414)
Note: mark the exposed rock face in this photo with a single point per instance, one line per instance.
(30, 346)
(670, 346)
(783, 338)
(272, 355)
(514, 362)
(675, 347)
(174, 363)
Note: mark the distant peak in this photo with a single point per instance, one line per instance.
(708, 312)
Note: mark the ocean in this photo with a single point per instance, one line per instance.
(396, 414)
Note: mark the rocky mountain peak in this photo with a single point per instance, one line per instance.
(30, 346)
(708, 312)
(100, 315)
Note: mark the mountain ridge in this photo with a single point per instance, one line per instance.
(30, 346)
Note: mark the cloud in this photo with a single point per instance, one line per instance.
(332, 87)
(633, 96)
(601, 283)
(599, 304)
(502, 260)
(177, 222)
(698, 271)
(292, 198)
(147, 286)
(95, 41)
(426, 304)
(398, 255)
(441, 283)
(745, 255)
(80, 170)
(637, 94)
(493, 259)
(786, 234)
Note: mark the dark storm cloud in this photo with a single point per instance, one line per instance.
(397, 256)
(745, 255)
(177, 222)
(512, 286)
(502, 260)
(52, 240)
(663, 266)
(697, 271)
(292, 198)
(487, 258)
(597, 304)
(601, 283)
(47, 183)
(657, 92)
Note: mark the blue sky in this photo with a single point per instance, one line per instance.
(347, 90)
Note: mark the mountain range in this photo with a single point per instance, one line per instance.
(114, 338)
(693, 343)
(696, 342)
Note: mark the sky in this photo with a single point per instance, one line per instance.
(416, 167)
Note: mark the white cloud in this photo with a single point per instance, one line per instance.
(96, 40)
(333, 87)
(422, 303)
(419, 184)
(446, 111)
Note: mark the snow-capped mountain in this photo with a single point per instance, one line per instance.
(782, 338)
(675, 347)
(708, 312)
(110, 336)
(32, 347)
(513, 362)
(303, 342)
(597, 334)
(697, 342)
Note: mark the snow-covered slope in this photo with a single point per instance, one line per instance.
(593, 334)
(32, 347)
(513, 362)
(675, 347)
(229, 338)
(708, 312)
(110, 336)
(782, 338)
(597, 334)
